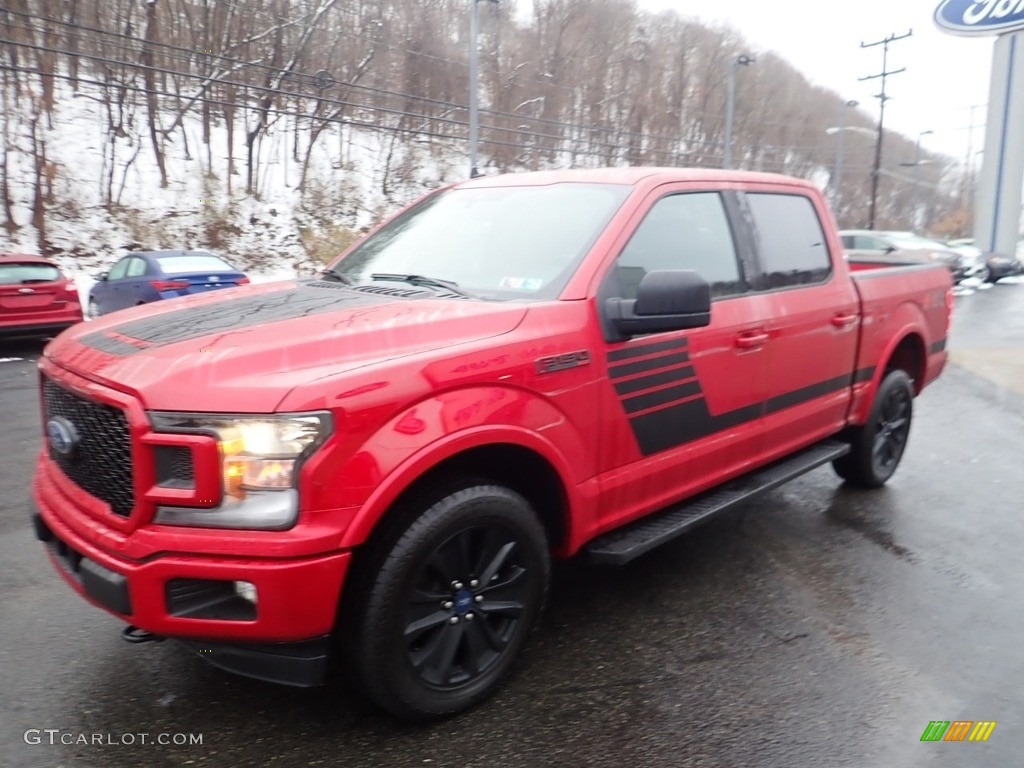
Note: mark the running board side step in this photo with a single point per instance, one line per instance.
(624, 544)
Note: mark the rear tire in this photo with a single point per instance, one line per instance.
(877, 447)
(445, 606)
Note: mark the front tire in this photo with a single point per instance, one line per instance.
(877, 447)
(452, 599)
(94, 309)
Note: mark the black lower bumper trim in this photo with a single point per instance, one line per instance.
(303, 664)
(103, 585)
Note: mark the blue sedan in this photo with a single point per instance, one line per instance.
(145, 276)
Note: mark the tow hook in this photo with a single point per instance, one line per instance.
(134, 635)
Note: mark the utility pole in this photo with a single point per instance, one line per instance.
(474, 85)
(882, 97)
(730, 104)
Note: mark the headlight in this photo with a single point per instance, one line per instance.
(260, 459)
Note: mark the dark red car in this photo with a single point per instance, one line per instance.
(36, 299)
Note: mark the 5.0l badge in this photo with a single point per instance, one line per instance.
(563, 362)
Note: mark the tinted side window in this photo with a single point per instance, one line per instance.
(136, 268)
(118, 270)
(792, 242)
(847, 241)
(685, 231)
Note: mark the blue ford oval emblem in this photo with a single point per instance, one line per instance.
(463, 601)
(62, 435)
(980, 17)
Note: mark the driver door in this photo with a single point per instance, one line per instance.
(684, 408)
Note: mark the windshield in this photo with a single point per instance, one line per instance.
(496, 242)
(192, 262)
(27, 272)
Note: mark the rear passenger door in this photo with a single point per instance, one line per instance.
(684, 407)
(813, 320)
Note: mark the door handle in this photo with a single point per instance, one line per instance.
(752, 339)
(843, 320)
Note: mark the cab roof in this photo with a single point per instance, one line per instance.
(632, 176)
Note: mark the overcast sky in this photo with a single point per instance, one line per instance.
(945, 74)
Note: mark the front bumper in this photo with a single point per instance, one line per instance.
(281, 638)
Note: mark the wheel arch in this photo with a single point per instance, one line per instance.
(518, 460)
(907, 354)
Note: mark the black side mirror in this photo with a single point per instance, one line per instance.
(101, 276)
(889, 249)
(666, 300)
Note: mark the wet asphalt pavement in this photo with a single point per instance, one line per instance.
(818, 626)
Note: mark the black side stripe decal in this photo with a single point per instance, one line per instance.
(804, 394)
(654, 380)
(639, 350)
(864, 374)
(937, 346)
(661, 397)
(682, 422)
(653, 364)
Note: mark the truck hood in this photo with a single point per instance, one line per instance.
(243, 350)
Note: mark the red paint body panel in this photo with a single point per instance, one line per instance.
(37, 307)
(410, 383)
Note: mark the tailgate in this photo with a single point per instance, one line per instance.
(16, 299)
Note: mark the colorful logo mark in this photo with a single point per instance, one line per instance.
(958, 730)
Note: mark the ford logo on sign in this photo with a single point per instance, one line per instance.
(62, 435)
(980, 17)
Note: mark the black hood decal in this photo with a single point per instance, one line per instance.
(228, 315)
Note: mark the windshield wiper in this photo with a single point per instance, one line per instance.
(425, 282)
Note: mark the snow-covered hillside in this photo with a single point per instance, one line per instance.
(351, 183)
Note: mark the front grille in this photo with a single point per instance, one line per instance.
(101, 463)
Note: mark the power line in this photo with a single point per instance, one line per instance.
(237, 63)
(382, 127)
(882, 97)
(618, 133)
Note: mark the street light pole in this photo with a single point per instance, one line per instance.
(917, 172)
(837, 173)
(730, 104)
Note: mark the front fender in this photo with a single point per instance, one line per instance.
(445, 425)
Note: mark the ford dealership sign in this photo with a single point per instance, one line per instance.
(980, 17)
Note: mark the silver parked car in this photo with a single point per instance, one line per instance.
(908, 248)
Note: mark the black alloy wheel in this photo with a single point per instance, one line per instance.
(892, 428)
(453, 600)
(877, 447)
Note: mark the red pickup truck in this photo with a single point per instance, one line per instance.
(377, 464)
